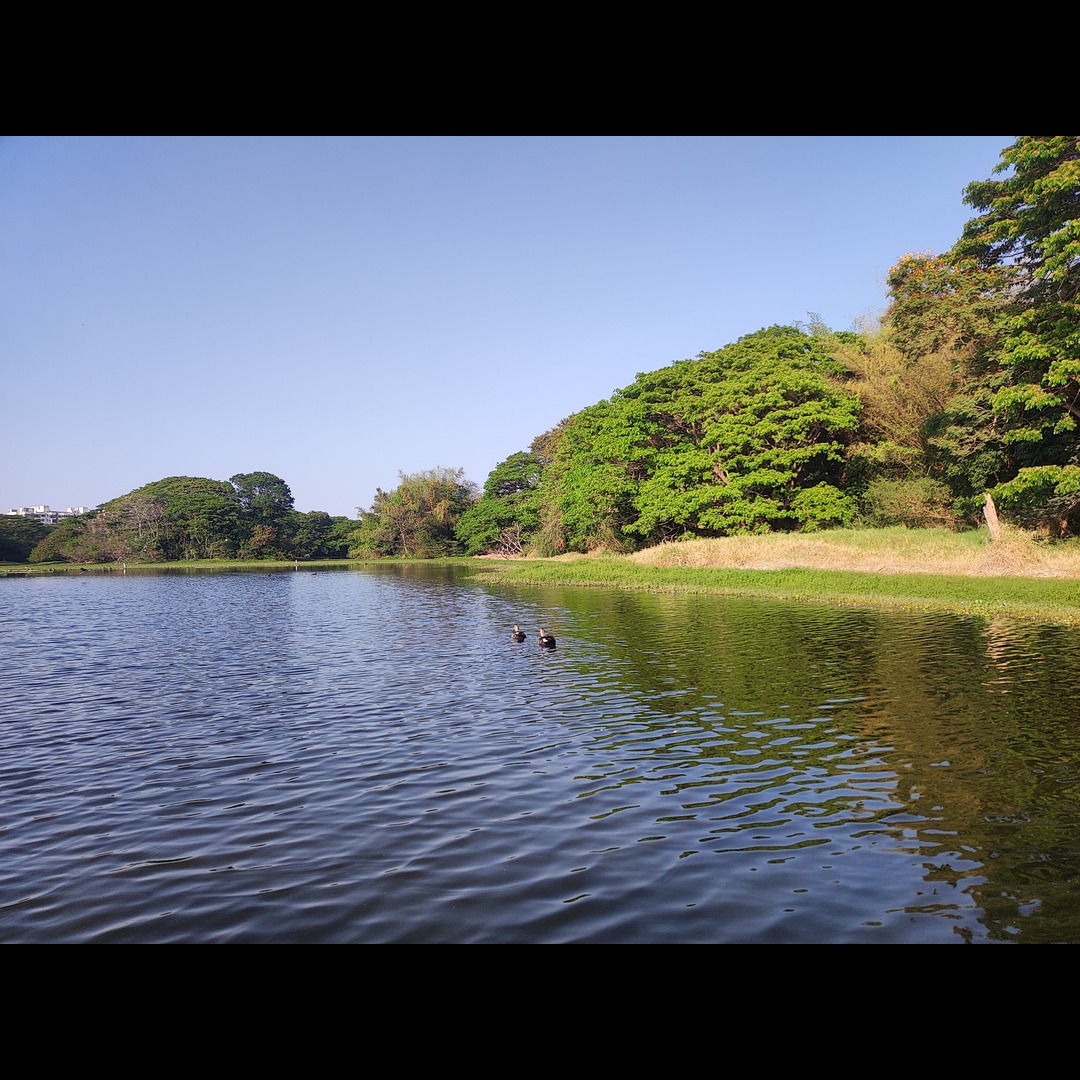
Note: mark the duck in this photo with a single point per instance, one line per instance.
(518, 634)
(546, 640)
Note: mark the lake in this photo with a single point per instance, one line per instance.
(364, 756)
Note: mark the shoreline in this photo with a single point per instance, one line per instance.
(917, 570)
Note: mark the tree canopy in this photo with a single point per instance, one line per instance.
(261, 495)
(19, 536)
(1028, 233)
(417, 519)
(192, 517)
(505, 518)
(745, 439)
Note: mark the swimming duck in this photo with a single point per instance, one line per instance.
(546, 640)
(518, 634)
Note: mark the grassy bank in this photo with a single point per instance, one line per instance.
(902, 568)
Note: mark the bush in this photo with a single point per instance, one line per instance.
(919, 504)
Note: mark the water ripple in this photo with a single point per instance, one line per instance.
(366, 757)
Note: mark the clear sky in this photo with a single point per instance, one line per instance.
(338, 310)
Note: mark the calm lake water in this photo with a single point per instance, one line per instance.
(364, 756)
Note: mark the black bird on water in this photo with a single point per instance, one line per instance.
(546, 640)
(518, 634)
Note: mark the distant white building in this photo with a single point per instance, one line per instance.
(47, 516)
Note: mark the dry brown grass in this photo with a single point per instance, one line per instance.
(884, 551)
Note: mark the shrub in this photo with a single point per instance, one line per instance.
(919, 504)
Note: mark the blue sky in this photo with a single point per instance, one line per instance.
(340, 310)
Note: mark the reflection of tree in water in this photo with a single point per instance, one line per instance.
(957, 737)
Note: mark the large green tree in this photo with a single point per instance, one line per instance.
(266, 510)
(204, 516)
(1028, 232)
(1029, 227)
(132, 528)
(746, 439)
(939, 307)
(65, 543)
(190, 517)
(504, 519)
(266, 498)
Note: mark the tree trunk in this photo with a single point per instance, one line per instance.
(992, 523)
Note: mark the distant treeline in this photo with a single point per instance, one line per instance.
(970, 385)
(250, 516)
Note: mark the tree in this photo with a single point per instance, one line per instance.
(919, 376)
(550, 537)
(133, 528)
(317, 535)
(62, 542)
(336, 542)
(263, 497)
(1029, 232)
(746, 439)
(19, 536)
(1021, 417)
(1043, 496)
(587, 494)
(945, 322)
(203, 515)
(937, 307)
(506, 515)
(775, 426)
(191, 517)
(92, 538)
(266, 510)
(898, 396)
(417, 519)
(180, 517)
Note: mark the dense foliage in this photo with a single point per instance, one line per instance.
(250, 516)
(746, 439)
(418, 519)
(19, 536)
(506, 515)
(969, 386)
(1028, 232)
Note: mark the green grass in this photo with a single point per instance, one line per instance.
(1042, 599)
